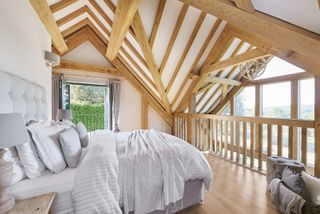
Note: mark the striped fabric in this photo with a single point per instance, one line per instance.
(142, 171)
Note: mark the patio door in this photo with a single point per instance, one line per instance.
(89, 104)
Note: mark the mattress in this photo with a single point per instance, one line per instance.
(60, 183)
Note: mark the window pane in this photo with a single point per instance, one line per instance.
(226, 110)
(276, 100)
(306, 99)
(245, 102)
(278, 67)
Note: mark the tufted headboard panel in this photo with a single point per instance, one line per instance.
(22, 96)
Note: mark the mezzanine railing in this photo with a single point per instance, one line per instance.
(249, 140)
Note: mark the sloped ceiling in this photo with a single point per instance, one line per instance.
(183, 40)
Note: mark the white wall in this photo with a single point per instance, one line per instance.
(156, 122)
(130, 98)
(23, 40)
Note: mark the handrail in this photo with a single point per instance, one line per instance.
(248, 140)
(264, 120)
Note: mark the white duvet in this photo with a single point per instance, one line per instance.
(141, 171)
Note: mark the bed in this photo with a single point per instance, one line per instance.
(29, 99)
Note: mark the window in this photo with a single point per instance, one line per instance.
(306, 104)
(245, 102)
(276, 100)
(226, 110)
(88, 105)
(278, 67)
(306, 112)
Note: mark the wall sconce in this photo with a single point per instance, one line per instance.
(51, 59)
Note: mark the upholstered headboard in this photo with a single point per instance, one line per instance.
(22, 96)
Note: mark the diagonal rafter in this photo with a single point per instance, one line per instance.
(186, 50)
(215, 55)
(126, 10)
(303, 43)
(156, 22)
(245, 5)
(61, 4)
(146, 49)
(235, 60)
(88, 34)
(41, 7)
(173, 38)
(197, 59)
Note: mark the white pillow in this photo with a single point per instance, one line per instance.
(46, 139)
(30, 160)
(313, 185)
(83, 135)
(71, 147)
(11, 155)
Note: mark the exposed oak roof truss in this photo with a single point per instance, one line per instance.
(171, 50)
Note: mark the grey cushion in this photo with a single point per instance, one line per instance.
(46, 139)
(276, 165)
(83, 135)
(295, 182)
(71, 147)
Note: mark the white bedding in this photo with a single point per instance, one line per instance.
(97, 184)
(61, 183)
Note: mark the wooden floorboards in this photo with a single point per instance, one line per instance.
(235, 190)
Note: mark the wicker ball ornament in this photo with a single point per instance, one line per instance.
(253, 69)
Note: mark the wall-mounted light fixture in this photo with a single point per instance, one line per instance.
(51, 59)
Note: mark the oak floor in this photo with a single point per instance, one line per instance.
(235, 190)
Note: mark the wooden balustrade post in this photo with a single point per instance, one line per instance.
(215, 129)
(191, 109)
(317, 126)
(226, 139)
(304, 146)
(244, 143)
(269, 140)
(293, 131)
(259, 125)
(221, 138)
(231, 127)
(237, 141)
(252, 149)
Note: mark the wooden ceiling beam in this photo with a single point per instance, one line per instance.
(173, 38)
(231, 94)
(197, 59)
(289, 56)
(90, 33)
(67, 64)
(245, 5)
(219, 75)
(126, 10)
(41, 7)
(277, 79)
(156, 22)
(129, 76)
(186, 50)
(109, 21)
(215, 54)
(236, 60)
(61, 5)
(72, 15)
(279, 34)
(225, 81)
(146, 49)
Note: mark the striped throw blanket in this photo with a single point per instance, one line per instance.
(143, 171)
